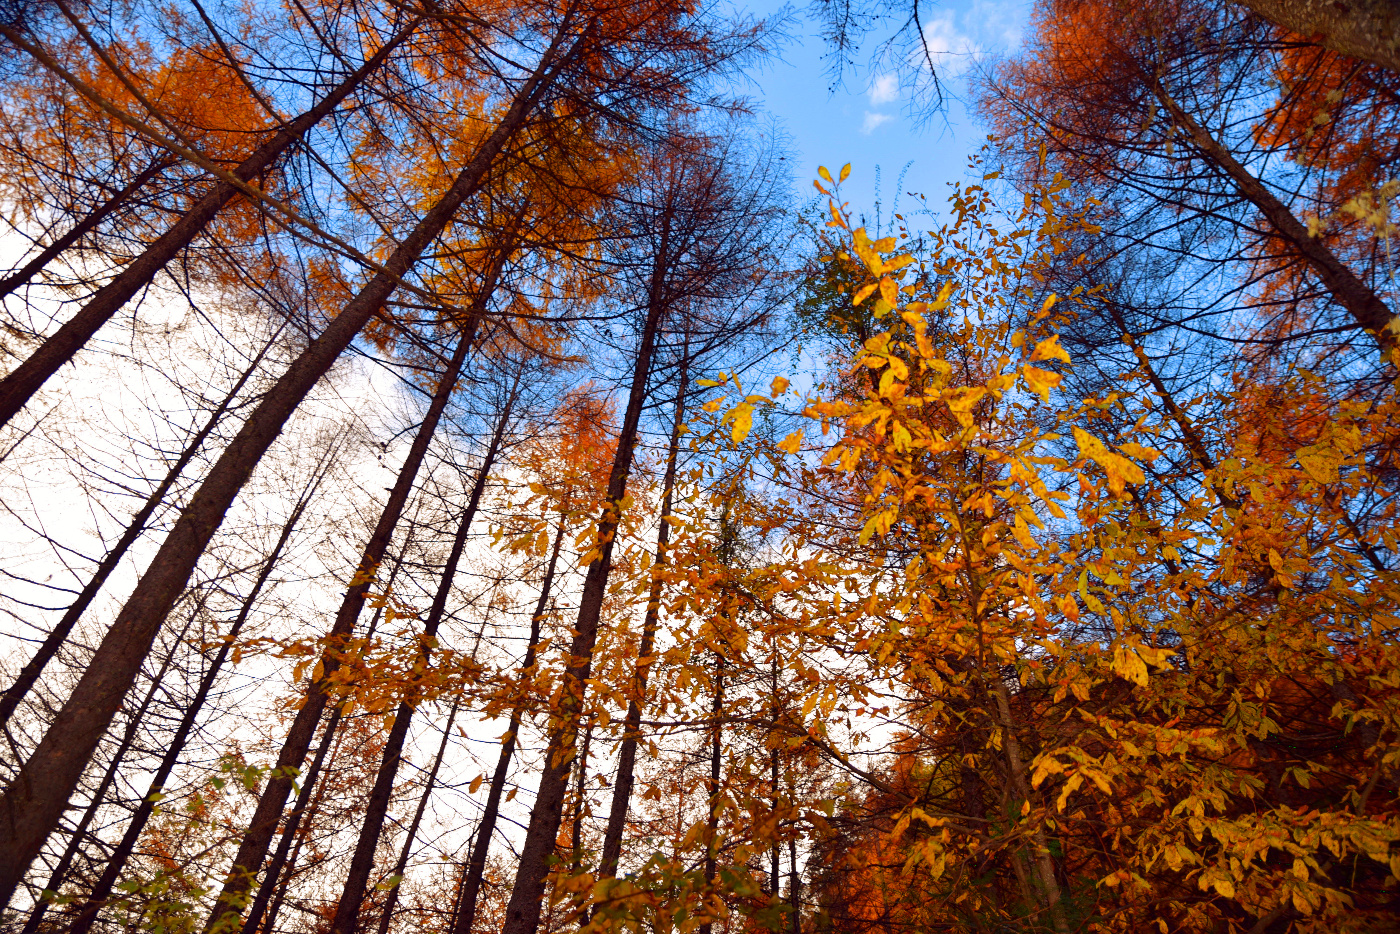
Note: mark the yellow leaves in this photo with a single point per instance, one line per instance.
(1320, 462)
(900, 438)
(1128, 664)
(1131, 658)
(892, 377)
(863, 293)
(1216, 878)
(1050, 349)
(1040, 381)
(889, 291)
(961, 402)
(779, 386)
(792, 442)
(1119, 469)
(879, 524)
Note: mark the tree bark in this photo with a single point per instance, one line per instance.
(470, 888)
(20, 384)
(1364, 29)
(81, 229)
(1366, 307)
(33, 803)
(352, 895)
(631, 736)
(284, 854)
(117, 861)
(75, 843)
(29, 675)
(794, 888)
(258, 836)
(401, 864)
(712, 818)
(527, 895)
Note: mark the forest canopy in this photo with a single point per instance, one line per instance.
(452, 482)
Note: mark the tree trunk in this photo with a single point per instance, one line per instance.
(21, 383)
(1365, 306)
(352, 895)
(29, 675)
(1016, 766)
(527, 895)
(294, 748)
(774, 888)
(308, 782)
(75, 843)
(631, 736)
(401, 864)
(580, 788)
(712, 818)
(470, 889)
(35, 799)
(1364, 29)
(117, 861)
(81, 229)
(794, 888)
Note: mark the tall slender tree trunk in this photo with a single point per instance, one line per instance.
(775, 861)
(1369, 312)
(1365, 29)
(631, 735)
(82, 228)
(29, 675)
(21, 383)
(273, 799)
(307, 796)
(527, 895)
(580, 788)
(712, 786)
(470, 889)
(1043, 865)
(35, 799)
(794, 888)
(386, 917)
(362, 862)
(102, 889)
(76, 841)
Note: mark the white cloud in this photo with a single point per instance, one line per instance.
(883, 90)
(873, 120)
(951, 49)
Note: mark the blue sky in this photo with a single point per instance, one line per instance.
(868, 119)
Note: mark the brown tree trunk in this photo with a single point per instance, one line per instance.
(35, 799)
(284, 855)
(81, 229)
(1364, 29)
(580, 788)
(258, 836)
(75, 843)
(401, 864)
(527, 895)
(794, 888)
(22, 382)
(712, 818)
(1365, 306)
(470, 889)
(352, 894)
(29, 675)
(631, 735)
(117, 861)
